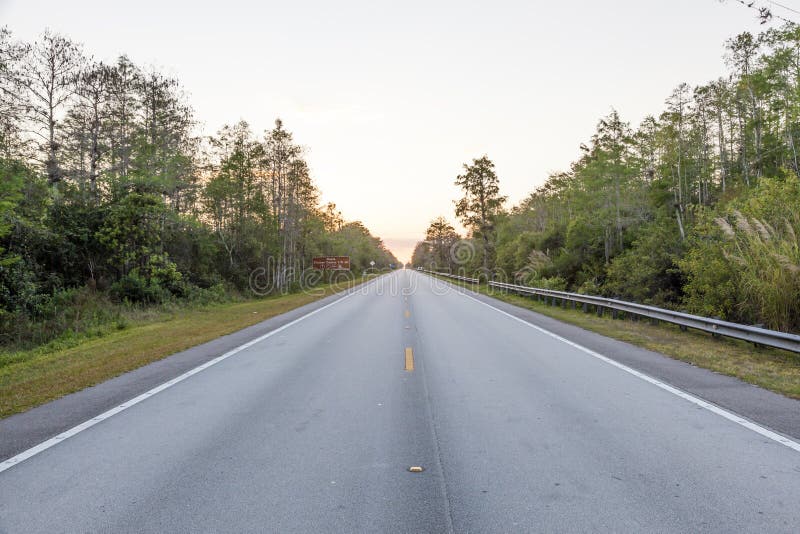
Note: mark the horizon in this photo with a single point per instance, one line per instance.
(386, 99)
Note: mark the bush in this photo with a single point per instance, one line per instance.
(215, 294)
(589, 287)
(20, 291)
(648, 272)
(70, 312)
(133, 288)
(556, 283)
(711, 287)
(744, 260)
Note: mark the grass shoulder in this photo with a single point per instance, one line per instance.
(32, 377)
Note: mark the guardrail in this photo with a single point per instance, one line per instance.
(454, 277)
(753, 334)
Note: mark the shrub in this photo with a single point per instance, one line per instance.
(76, 311)
(744, 260)
(647, 272)
(215, 294)
(134, 288)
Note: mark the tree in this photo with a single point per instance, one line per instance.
(49, 76)
(12, 102)
(354, 239)
(161, 154)
(441, 236)
(122, 129)
(131, 234)
(86, 127)
(124, 202)
(291, 194)
(421, 256)
(742, 51)
(234, 202)
(10, 185)
(481, 202)
(331, 217)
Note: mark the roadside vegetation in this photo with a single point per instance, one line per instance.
(697, 208)
(116, 210)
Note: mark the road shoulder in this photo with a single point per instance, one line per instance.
(24, 430)
(769, 409)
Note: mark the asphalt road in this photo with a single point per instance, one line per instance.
(313, 429)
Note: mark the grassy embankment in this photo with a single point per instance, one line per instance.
(772, 369)
(32, 377)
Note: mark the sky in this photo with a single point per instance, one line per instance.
(390, 99)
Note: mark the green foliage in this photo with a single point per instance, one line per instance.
(647, 272)
(21, 292)
(441, 238)
(124, 208)
(192, 247)
(482, 200)
(481, 203)
(354, 240)
(513, 251)
(67, 315)
(134, 288)
(695, 209)
(745, 260)
(710, 288)
(555, 283)
(10, 194)
(131, 233)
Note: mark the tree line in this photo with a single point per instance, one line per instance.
(108, 190)
(697, 208)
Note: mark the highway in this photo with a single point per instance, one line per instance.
(314, 428)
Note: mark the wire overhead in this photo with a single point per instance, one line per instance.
(765, 14)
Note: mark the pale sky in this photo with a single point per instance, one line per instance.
(390, 98)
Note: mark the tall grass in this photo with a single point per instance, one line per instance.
(73, 315)
(768, 268)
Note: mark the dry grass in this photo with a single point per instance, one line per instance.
(41, 375)
(771, 369)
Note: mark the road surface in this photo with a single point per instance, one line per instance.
(314, 428)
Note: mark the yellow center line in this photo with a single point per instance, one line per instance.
(409, 359)
(407, 314)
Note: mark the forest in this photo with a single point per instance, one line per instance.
(110, 195)
(697, 208)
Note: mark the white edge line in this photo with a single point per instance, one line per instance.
(730, 416)
(43, 446)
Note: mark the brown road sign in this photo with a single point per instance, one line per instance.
(331, 263)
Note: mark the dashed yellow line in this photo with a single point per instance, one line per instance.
(407, 314)
(409, 359)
